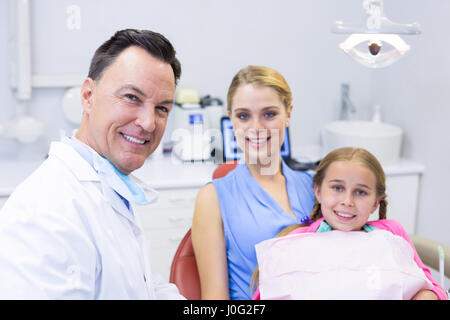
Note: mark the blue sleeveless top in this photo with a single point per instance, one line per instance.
(250, 215)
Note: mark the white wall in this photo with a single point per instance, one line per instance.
(415, 94)
(215, 38)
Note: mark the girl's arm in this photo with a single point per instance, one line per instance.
(425, 295)
(208, 240)
(438, 292)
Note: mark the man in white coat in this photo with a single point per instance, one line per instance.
(69, 231)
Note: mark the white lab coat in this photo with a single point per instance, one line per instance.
(66, 235)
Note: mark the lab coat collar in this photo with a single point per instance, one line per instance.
(90, 156)
(83, 171)
(72, 159)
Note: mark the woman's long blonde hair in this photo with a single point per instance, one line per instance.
(358, 155)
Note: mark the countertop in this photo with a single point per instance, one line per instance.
(14, 172)
(167, 172)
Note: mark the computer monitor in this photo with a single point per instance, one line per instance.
(231, 149)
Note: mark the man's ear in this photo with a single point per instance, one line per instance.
(87, 94)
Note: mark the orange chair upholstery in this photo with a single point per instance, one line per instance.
(184, 272)
(223, 169)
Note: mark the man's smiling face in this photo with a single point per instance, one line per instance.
(126, 110)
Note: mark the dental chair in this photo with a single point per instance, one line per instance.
(428, 252)
(223, 169)
(184, 272)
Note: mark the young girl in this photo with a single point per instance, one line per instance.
(349, 186)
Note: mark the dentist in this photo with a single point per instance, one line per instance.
(68, 231)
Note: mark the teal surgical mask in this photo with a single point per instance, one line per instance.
(124, 185)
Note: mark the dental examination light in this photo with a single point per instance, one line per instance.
(377, 42)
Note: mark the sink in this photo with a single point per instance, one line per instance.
(383, 140)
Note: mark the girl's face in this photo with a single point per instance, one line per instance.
(259, 119)
(347, 195)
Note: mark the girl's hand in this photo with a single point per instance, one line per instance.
(425, 295)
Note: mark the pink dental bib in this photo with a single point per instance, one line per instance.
(339, 265)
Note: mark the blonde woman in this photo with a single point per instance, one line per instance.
(256, 200)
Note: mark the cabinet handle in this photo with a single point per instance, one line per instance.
(181, 199)
(179, 219)
(178, 239)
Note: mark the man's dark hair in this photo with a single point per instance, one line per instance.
(154, 43)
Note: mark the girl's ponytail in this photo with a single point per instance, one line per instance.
(382, 209)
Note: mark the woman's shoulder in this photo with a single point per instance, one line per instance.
(301, 177)
(230, 184)
(206, 204)
(303, 183)
(305, 174)
(207, 192)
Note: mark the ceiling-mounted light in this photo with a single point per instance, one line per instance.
(376, 43)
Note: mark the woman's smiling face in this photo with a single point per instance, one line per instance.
(347, 195)
(259, 119)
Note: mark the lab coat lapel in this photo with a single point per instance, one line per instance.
(84, 172)
(119, 206)
(116, 202)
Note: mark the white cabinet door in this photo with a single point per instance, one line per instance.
(165, 223)
(402, 194)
